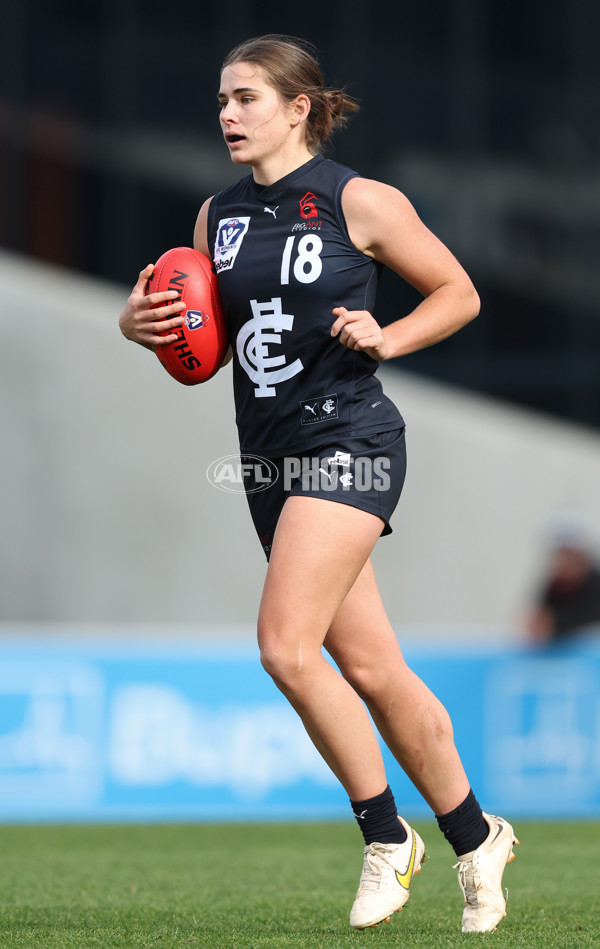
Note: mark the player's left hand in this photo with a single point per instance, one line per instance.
(358, 330)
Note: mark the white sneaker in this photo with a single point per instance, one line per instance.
(480, 877)
(385, 879)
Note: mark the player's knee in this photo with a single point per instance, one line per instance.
(284, 666)
(275, 654)
(283, 655)
(270, 659)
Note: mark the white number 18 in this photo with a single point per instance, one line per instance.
(307, 265)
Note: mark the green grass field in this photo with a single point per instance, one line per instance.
(279, 886)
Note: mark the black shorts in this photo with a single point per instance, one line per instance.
(366, 472)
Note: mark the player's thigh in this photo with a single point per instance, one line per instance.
(361, 639)
(319, 549)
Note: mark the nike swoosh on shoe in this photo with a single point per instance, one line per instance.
(405, 878)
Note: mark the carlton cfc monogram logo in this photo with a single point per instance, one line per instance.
(308, 205)
(252, 344)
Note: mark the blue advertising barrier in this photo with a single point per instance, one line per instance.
(99, 731)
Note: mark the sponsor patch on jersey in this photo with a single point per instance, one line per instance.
(321, 409)
(230, 234)
(308, 205)
(309, 213)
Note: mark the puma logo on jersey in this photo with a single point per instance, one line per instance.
(272, 211)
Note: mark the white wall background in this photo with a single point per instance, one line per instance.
(106, 515)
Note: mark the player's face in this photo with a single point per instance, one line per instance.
(254, 120)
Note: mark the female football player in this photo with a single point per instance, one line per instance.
(298, 245)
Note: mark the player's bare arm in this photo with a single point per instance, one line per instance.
(138, 321)
(383, 224)
(201, 244)
(201, 229)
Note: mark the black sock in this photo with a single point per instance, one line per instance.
(465, 827)
(377, 817)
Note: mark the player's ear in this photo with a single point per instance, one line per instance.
(300, 108)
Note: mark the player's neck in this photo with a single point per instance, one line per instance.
(279, 164)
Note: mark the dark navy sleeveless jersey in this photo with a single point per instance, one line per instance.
(284, 260)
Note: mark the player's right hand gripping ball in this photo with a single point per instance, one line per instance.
(201, 341)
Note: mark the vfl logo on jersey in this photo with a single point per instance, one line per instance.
(252, 344)
(308, 205)
(195, 319)
(319, 410)
(230, 234)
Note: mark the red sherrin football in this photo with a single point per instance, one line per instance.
(201, 341)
